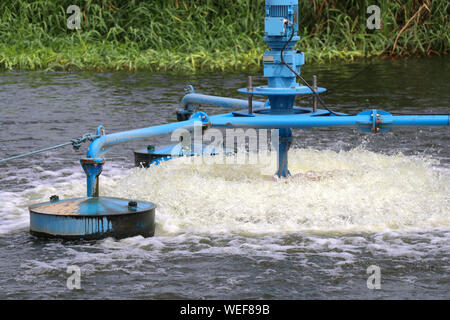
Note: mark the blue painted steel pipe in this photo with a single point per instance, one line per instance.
(302, 121)
(421, 120)
(99, 146)
(202, 99)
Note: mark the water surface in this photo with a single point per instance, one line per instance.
(228, 232)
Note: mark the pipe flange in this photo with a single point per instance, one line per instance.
(202, 117)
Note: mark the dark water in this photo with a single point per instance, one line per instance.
(387, 203)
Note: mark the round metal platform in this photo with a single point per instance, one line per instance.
(92, 218)
(265, 90)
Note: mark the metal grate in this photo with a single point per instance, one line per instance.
(278, 11)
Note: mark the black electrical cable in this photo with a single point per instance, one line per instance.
(318, 96)
(303, 80)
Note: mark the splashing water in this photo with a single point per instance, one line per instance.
(353, 191)
(356, 190)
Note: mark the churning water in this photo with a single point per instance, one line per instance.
(230, 231)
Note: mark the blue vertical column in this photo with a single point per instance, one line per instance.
(281, 26)
(284, 143)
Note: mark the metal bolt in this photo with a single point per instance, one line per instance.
(188, 89)
(250, 96)
(132, 203)
(314, 97)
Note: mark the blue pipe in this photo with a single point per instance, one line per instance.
(202, 99)
(422, 120)
(99, 146)
(302, 121)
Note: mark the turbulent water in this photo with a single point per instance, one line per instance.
(232, 231)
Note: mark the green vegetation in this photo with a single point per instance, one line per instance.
(192, 35)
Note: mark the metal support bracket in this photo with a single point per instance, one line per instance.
(202, 117)
(93, 168)
(186, 111)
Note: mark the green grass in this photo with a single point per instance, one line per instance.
(207, 35)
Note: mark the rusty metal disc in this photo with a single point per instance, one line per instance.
(92, 218)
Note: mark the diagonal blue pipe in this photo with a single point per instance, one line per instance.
(99, 146)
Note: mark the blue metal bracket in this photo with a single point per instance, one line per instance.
(202, 117)
(101, 131)
(93, 168)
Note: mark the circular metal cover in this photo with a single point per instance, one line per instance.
(92, 218)
(91, 206)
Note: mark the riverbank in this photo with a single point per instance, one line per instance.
(190, 36)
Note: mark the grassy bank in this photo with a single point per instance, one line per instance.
(193, 35)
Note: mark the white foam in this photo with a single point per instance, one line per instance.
(360, 191)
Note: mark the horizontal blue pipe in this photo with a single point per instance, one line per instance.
(302, 121)
(422, 120)
(202, 99)
(281, 121)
